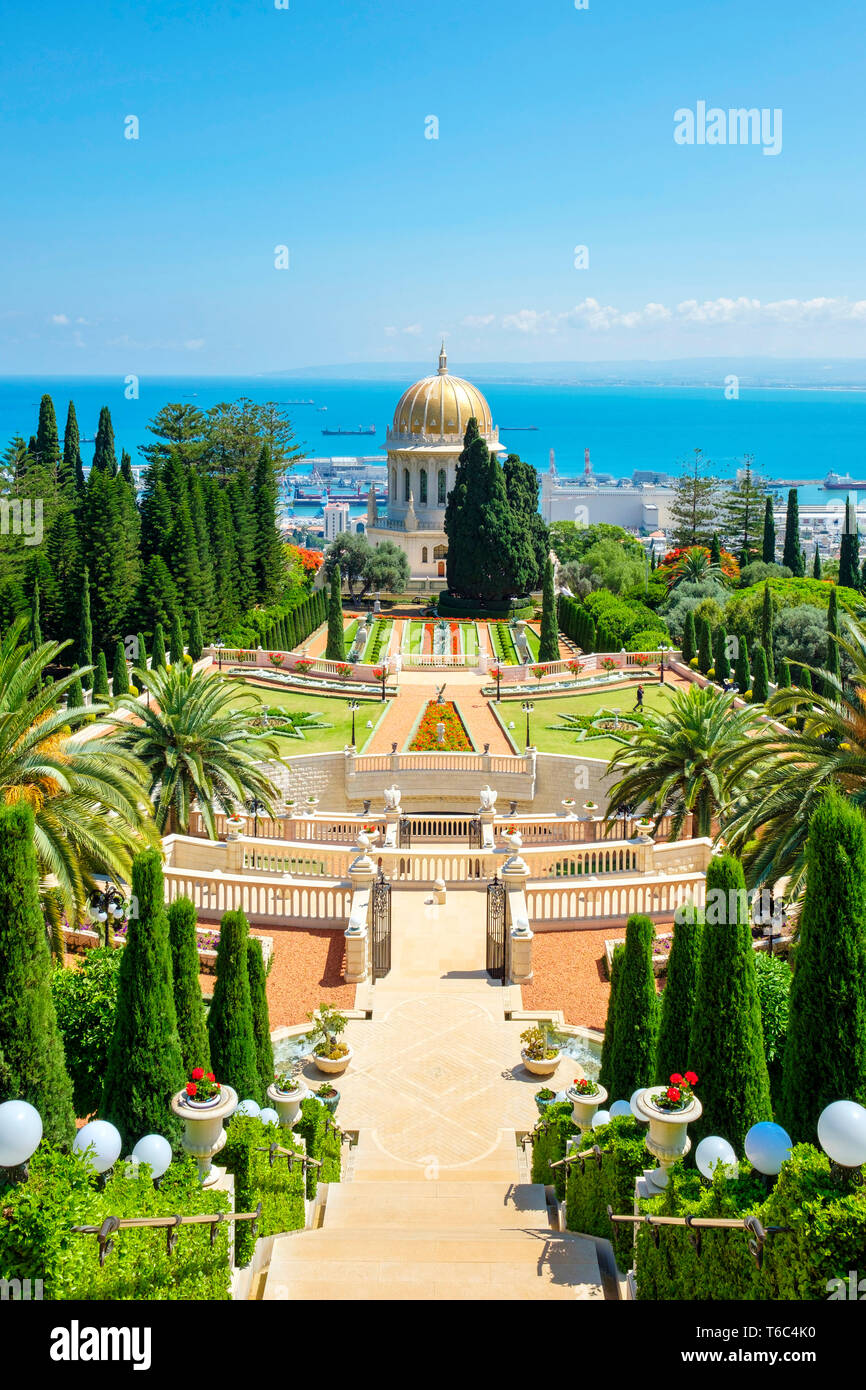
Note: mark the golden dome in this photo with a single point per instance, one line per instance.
(441, 405)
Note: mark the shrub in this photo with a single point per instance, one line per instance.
(188, 1003)
(678, 997)
(555, 1127)
(279, 1189)
(261, 1015)
(85, 998)
(588, 1193)
(230, 1018)
(637, 1013)
(323, 1142)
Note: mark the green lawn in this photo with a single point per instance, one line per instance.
(532, 640)
(333, 711)
(548, 711)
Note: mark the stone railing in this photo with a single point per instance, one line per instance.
(581, 905)
(262, 899)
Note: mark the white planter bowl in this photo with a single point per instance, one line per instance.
(203, 1133)
(330, 1067)
(538, 1066)
(667, 1140)
(583, 1108)
(287, 1103)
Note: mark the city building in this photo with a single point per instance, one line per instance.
(336, 519)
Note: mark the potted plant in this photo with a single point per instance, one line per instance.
(329, 1054)
(543, 1098)
(669, 1110)
(590, 806)
(539, 1058)
(286, 1093)
(235, 826)
(328, 1095)
(203, 1105)
(586, 1097)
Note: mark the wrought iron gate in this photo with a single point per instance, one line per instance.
(496, 933)
(381, 933)
(404, 833)
(475, 834)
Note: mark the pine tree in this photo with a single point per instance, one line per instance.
(849, 549)
(760, 679)
(176, 643)
(126, 469)
(145, 1068)
(119, 672)
(188, 1003)
(156, 598)
(548, 649)
(816, 564)
(721, 661)
(742, 510)
(768, 551)
(792, 554)
(261, 1016)
(230, 1020)
(742, 669)
(678, 998)
(110, 541)
(727, 1043)
(35, 630)
(716, 550)
(607, 1047)
(104, 456)
(158, 655)
(71, 474)
(694, 507)
(825, 1052)
(831, 662)
(637, 1013)
(100, 679)
(705, 650)
(336, 648)
(32, 1062)
(268, 542)
(196, 641)
(690, 641)
(767, 629)
(85, 633)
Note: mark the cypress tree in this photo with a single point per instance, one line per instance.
(144, 1068)
(832, 659)
(804, 678)
(100, 679)
(141, 656)
(336, 648)
(196, 641)
(126, 470)
(816, 564)
(825, 1052)
(637, 1016)
(158, 654)
(705, 651)
(849, 549)
(607, 1047)
(727, 1042)
(230, 1020)
(678, 997)
(32, 1061)
(71, 469)
(188, 1003)
(742, 669)
(47, 438)
(35, 632)
(75, 695)
(768, 551)
(760, 681)
(268, 542)
(784, 674)
(176, 639)
(690, 641)
(119, 672)
(792, 555)
(720, 655)
(261, 1016)
(85, 633)
(548, 649)
(716, 550)
(767, 629)
(104, 456)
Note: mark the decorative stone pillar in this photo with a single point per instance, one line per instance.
(235, 855)
(487, 814)
(203, 1133)
(362, 872)
(515, 873)
(392, 814)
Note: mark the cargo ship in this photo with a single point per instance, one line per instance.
(841, 482)
(362, 429)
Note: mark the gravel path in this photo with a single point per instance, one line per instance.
(307, 968)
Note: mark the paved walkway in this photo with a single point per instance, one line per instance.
(417, 687)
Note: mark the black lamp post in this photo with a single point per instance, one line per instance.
(104, 907)
(254, 806)
(527, 708)
(353, 709)
(219, 650)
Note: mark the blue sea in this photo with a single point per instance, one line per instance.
(791, 433)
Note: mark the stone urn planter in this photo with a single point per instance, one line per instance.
(667, 1140)
(235, 826)
(583, 1108)
(287, 1103)
(569, 807)
(203, 1133)
(540, 1066)
(333, 1066)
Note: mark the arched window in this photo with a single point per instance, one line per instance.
(405, 484)
(442, 498)
(423, 555)
(439, 552)
(422, 487)
(393, 485)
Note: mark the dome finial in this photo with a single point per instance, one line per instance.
(443, 360)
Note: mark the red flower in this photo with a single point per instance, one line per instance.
(676, 1079)
(674, 1093)
(197, 1073)
(210, 1076)
(691, 1078)
(191, 1088)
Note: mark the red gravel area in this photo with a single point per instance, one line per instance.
(307, 968)
(569, 973)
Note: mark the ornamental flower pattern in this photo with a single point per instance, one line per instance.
(456, 737)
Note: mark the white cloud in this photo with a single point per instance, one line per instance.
(194, 344)
(478, 320)
(59, 318)
(601, 318)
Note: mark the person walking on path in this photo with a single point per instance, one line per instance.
(638, 704)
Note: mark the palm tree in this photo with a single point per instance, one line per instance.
(195, 741)
(809, 742)
(694, 566)
(89, 798)
(672, 763)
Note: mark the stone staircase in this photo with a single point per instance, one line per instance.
(417, 1240)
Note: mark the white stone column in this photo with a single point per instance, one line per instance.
(515, 874)
(362, 872)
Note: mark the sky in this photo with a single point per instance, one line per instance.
(306, 128)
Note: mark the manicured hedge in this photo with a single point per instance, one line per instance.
(589, 1193)
(315, 1117)
(61, 1192)
(449, 605)
(280, 1191)
(551, 1133)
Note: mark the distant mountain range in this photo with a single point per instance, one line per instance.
(814, 373)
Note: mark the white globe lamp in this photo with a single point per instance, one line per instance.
(98, 1142)
(713, 1151)
(20, 1133)
(767, 1146)
(155, 1151)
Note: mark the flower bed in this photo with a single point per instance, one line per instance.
(456, 738)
